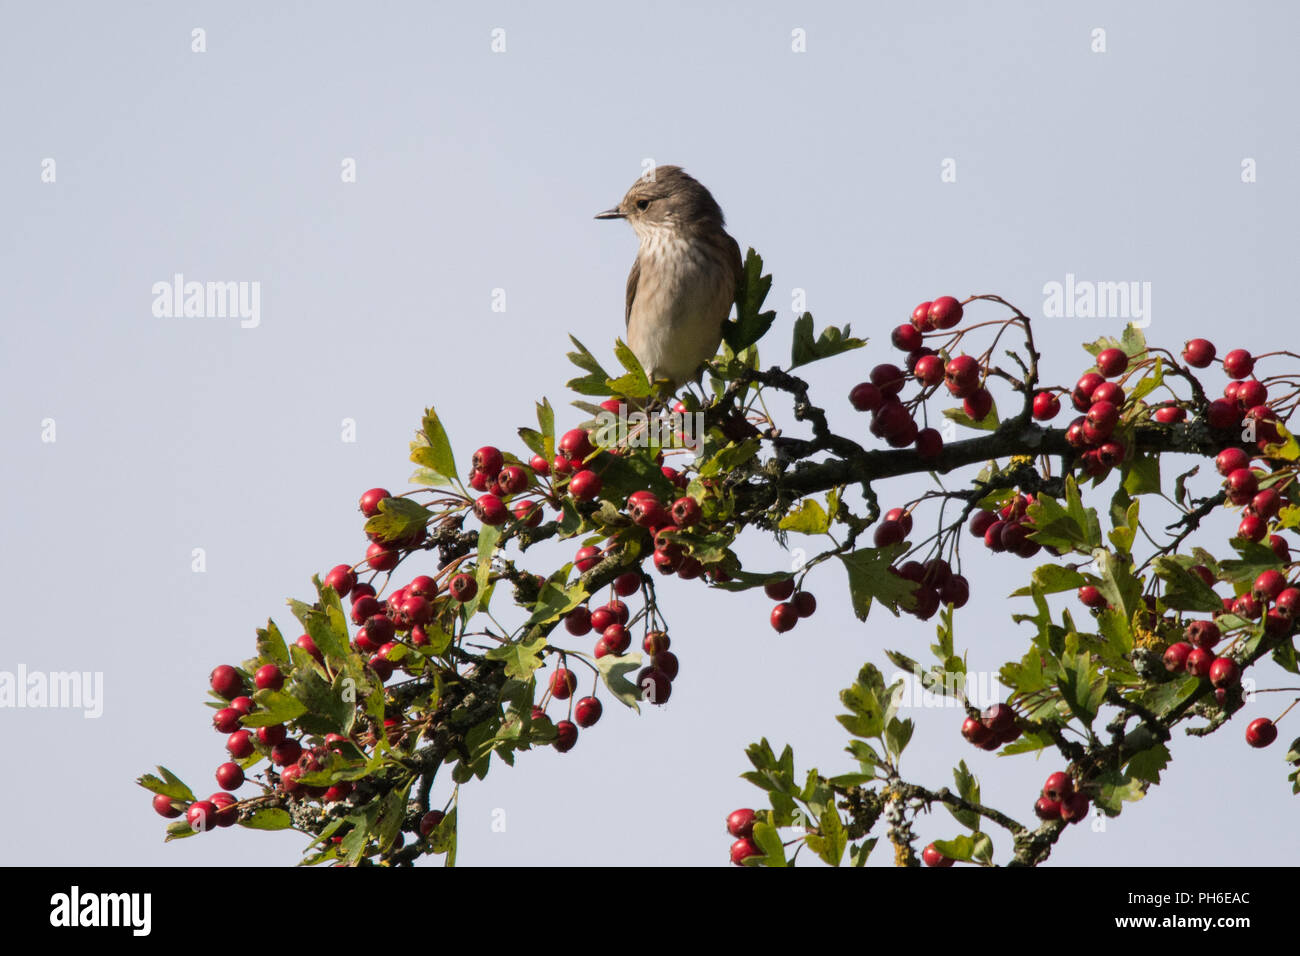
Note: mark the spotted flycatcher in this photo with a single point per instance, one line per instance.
(684, 278)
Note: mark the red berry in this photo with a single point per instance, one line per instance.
(489, 461)
(1222, 414)
(980, 522)
(887, 533)
(587, 558)
(978, 404)
(370, 501)
(1252, 528)
(272, 734)
(1238, 364)
(889, 378)
(666, 662)
(225, 680)
(1261, 732)
(540, 465)
(430, 821)
(865, 397)
(1199, 661)
(566, 735)
(929, 369)
(962, 375)
(654, 684)
(1170, 414)
(1112, 362)
(463, 588)
(617, 638)
(240, 744)
(779, 590)
(342, 579)
(1202, 634)
(1224, 672)
(1107, 392)
(1090, 596)
(512, 480)
(1175, 657)
(945, 312)
(563, 683)
(585, 485)
(685, 512)
(268, 676)
(491, 510)
(656, 642)
(933, 857)
(975, 731)
(1266, 503)
(230, 776)
(382, 558)
(575, 443)
(162, 805)
(1046, 406)
(902, 517)
(1198, 353)
(742, 850)
(587, 711)
(955, 591)
(805, 605)
(1074, 808)
(1058, 786)
(201, 815)
(1268, 585)
(921, 317)
(1046, 809)
(784, 617)
(905, 338)
(740, 823)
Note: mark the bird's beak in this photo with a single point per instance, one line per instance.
(610, 214)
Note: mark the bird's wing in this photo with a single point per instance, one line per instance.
(632, 278)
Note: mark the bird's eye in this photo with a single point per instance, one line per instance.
(642, 204)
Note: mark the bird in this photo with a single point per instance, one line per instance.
(684, 278)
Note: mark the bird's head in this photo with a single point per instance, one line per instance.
(667, 199)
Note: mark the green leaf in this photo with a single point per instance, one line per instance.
(1149, 382)
(1184, 590)
(273, 707)
(268, 818)
(807, 518)
(870, 578)
(1255, 560)
(897, 734)
(983, 848)
(521, 657)
(595, 382)
(968, 788)
(1147, 764)
(961, 849)
(554, 602)
(271, 646)
(832, 341)
(867, 702)
(488, 536)
(546, 422)
(749, 325)
(613, 671)
(635, 384)
(432, 450)
(1118, 583)
(1142, 475)
(1083, 686)
(1055, 526)
(988, 423)
(769, 841)
(1113, 789)
(830, 841)
(398, 520)
(169, 785)
(1050, 579)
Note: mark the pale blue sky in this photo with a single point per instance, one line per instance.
(478, 171)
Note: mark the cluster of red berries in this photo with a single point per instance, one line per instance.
(1261, 506)
(740, 824)
(1008, 529)
(1060, 801)
(935, 581)
(792, 605)
(991, 729)
(891, 419)
(1101, 402)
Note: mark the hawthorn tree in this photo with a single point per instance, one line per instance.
(345, 730)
